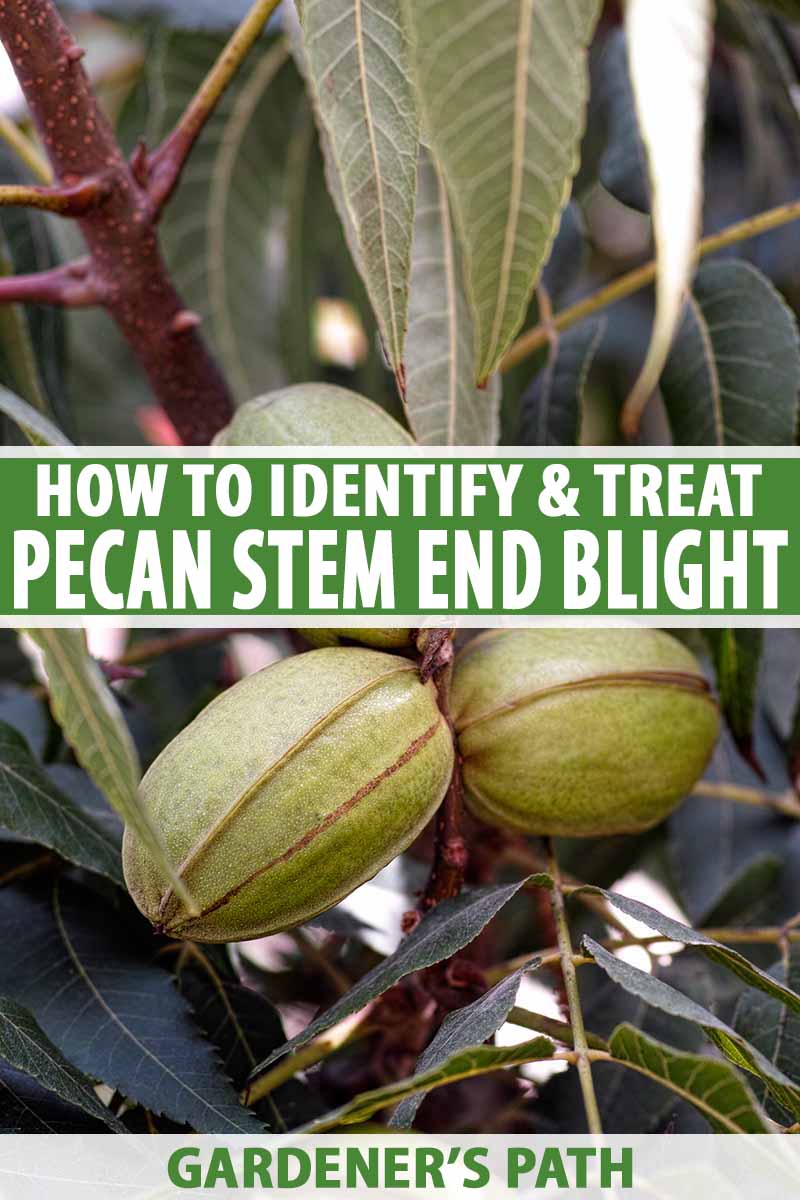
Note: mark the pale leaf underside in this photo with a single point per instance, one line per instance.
(357, 61)
(444, 406)
(504, 88)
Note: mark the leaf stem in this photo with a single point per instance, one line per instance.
(73, 201)
(349, 1030)
(787, 804)
(768, 935)
(167, 162)
(25, 149)
(532, 340)
(583, 1062)
(560, 1031)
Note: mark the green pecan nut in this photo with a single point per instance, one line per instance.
(290, 790)
(580, 733)
(312, 414)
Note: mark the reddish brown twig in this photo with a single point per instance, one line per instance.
(165, 165)
(126, 272)
(73, 201)
(65, 287)
(450, 851)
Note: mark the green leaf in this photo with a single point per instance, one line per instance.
(669, 50)
(223, 230)
(735, 1048)
(465, 1064)
(623, 166)
(24, 1046)
(746, 892)
(110, 1010)
(88, 713)
(469, 1026)
(733, 375)
(358, 68)
(37, 428)
(440, 934)
(724, 956)
(737, 658)
(770, 1027)
(31, 806)
(629, 1101)
(711, 1087)
(552, 408)
(746, 835)
(444, 406)
(244, 1027)
(503, 88)
(28, 1107)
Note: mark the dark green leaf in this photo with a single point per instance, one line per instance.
(27, 714)
(25, 1047)
(745, 893)
(771, 1027)
(552, 407)
(76, 784)
(724, 956)
(630, 1102)
(469, 1026)
(110, 1010)
(735, 1048)
(623, 167)
(737, 658)
(27, 1107)
(31, 806)
(733, 374)
(717, 1092)
(568, 258)
(741, 836)
(440, 934)
(88, 712)
(464, 1064)
(244, 1027)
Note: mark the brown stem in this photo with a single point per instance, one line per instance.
(73, 201)
(127, 272)
(167, 162)
(65, 287)
(450, 851)
(171, 643)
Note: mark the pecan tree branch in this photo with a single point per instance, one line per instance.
(126, 270)
(450, 852)
(73, 201)
(64, 287)
(167, 162)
